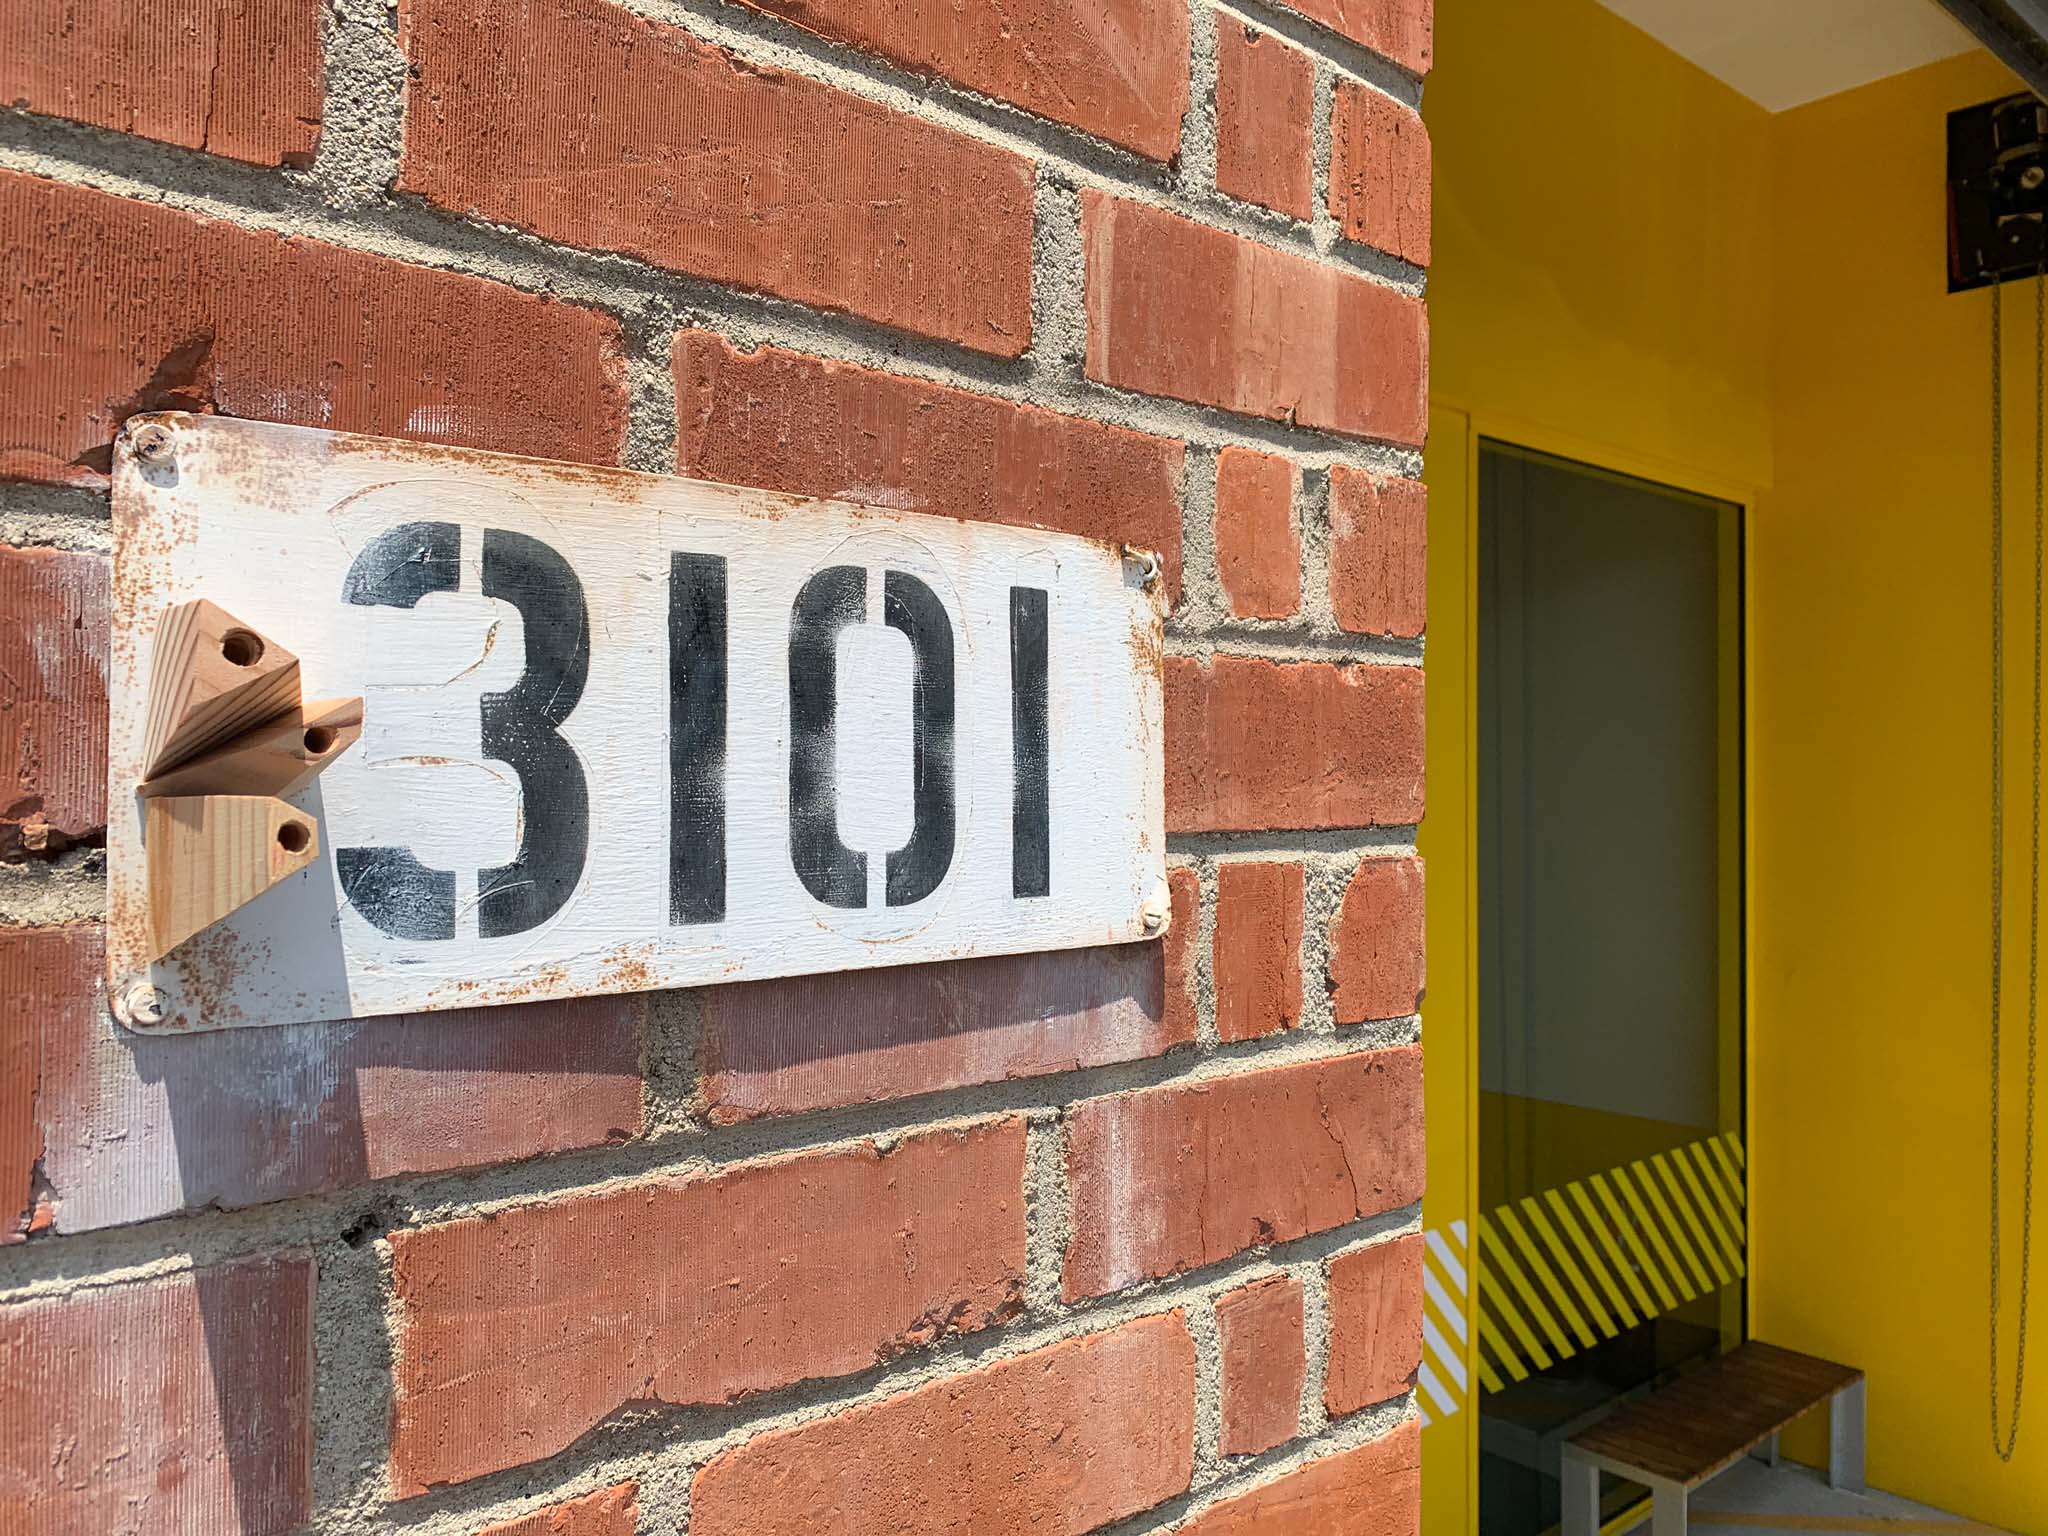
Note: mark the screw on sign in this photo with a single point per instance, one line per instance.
(625, 731)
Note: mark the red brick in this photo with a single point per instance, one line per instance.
(1258, 552)
(1401, 30)
(819, 1042)
(117, 306)
(1180, 309)
(1379, 172)
(1376, 949)
(608, 1512)
(1184, 886)
(1257, 958)
(1264, 1361)
(793, 423)
(132, 1127)
(161, 1407)
(241, 78)
(1064, 1440)
(1375, 1324)
(1115, 68)
(1171, 1178)
(53, 700)
(1375, 1490)
(522, 1331)
(1353, 738)
(1379, 539)
(1265, 108)
(705, 164)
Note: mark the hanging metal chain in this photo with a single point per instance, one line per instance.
(2004, 1440)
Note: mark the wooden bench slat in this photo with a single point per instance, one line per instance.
(1705, 1420)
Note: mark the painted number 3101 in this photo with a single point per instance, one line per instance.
(521, 727)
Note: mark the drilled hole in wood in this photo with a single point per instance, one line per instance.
(319, 739)
(294, 837)
(240, 648)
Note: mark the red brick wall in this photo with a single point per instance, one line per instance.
(1112, 1237)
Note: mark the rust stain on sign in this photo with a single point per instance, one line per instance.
(625, 731)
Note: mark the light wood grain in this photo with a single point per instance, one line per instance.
(279, 758)
(211, 678)
(210, 855)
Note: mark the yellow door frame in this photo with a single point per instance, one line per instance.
(1449, 842)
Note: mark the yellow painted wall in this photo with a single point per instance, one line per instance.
(1869, 803)
(1637, 267)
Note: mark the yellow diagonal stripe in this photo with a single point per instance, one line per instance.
(1686, 1224)
(1735, 1149)
(1646, 1224)
(1633, 1237)
(1708, 1215)
(1712, 1181)
(1736, 1186)
(1546, 1277)
(1490, 1334)
(1617, 1265)
(1570, 1265)
(1499, 1257)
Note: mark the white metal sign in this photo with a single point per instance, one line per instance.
(624, 731)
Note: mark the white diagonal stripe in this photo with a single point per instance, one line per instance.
(1454, 1270)
(1452, 1312)
(1440, 1347)
(1445, 1403)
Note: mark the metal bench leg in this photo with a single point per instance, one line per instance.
(1767, 1451)
(1667, 1509)
(1845, 1439)
(1581, 1480)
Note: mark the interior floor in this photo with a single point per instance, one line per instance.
(1791, 1500)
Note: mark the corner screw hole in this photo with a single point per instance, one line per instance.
(294, 837)
(239, 648)
(319, 739)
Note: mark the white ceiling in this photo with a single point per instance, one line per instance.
(1780, 53)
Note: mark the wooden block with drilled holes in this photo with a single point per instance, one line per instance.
(209, 855)
(211, 678)
(279, 758)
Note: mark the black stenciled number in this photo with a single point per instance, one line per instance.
(391, 888)
(520, 727)
(915, 870)
(1031, 746)
(834, 598)
(696, 738)
(834, 873)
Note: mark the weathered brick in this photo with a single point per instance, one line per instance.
(161, 1407)
(521, 1331)
(1180, 309)
(1265, 109)
(1352, 735)
(1257, 953)
(814, 428)
(1264, 1361)
(1401, 30)
(1184, 887)
(1379, 171)
(608, 1512)
(715, 167)
(240, 78)
(1379, 538)
(818, 1042)
(1376, 948)
(1374, 1490)
(1115, 68)
(53, 700)
(118, 306)
(1375, 1324)
(1064, 1440)
(1258, 551)
(1171, 1178)
(129, 1127)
